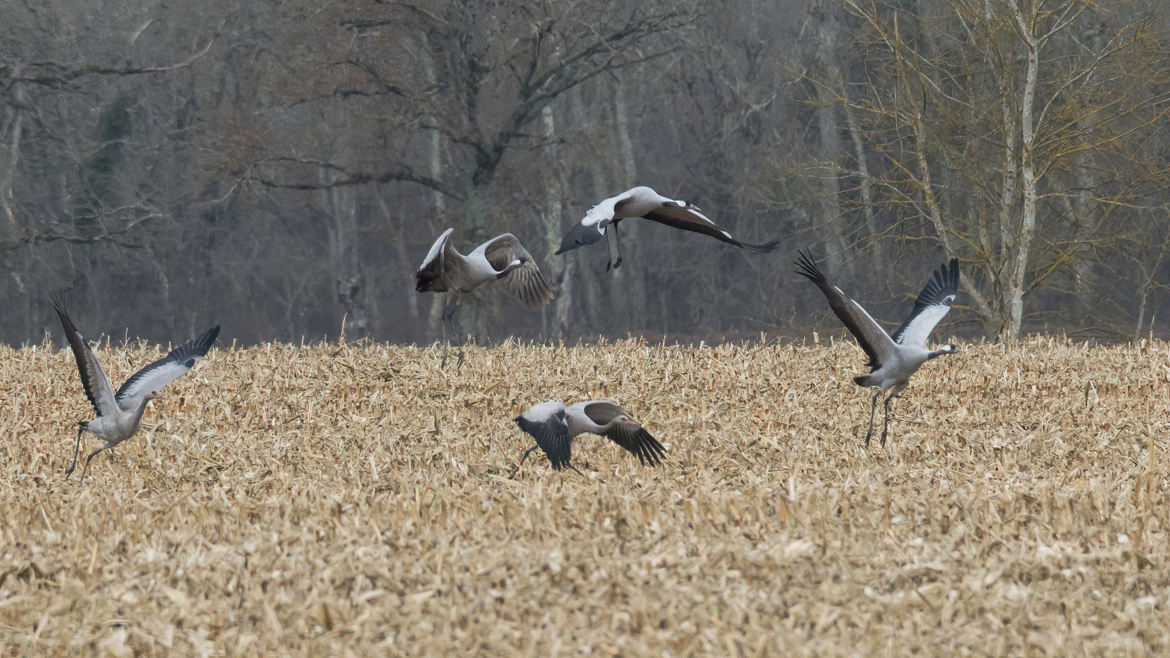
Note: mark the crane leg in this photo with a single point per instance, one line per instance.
(872, 409)
(886, 424)
(448, 321)
(76, 447)
(617, 244)
(89, 459)
(608, 253)
(517, 469)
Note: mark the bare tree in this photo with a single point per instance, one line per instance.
(975, 135)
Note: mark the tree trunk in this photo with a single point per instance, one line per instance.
(13, 129)
(829, 132)
(865, 182)
(438, 201)
(344, 260)
(630, 279)
(556, 270)
(1085, 181)
(1023, 242)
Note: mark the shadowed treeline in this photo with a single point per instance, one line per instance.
(284, 168)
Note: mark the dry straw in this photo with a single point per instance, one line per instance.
(335, 500)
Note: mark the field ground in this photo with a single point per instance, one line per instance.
(335, 500)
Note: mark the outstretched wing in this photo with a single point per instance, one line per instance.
(932, 305)
(688, 218)
(430, 273)
(548, 426)
(526, 281)
(626, 432)
(97, 387)
(169, 368)
(869, 334)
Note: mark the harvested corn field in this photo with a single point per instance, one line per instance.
(356, 499)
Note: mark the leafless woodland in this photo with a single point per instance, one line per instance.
(283, 167)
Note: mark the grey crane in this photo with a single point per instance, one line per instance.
(892, 359)
(503, 257)
(119, 414)
(644, 202)
(554, 425)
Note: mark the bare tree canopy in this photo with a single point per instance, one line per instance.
(283, 168)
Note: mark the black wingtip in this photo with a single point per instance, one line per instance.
(60, 302)
(806, 266)
(947, 275)
(204, 342)
(652, 452)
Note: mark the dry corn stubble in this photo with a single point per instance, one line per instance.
(354, 500)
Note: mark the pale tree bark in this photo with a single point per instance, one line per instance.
(865, 182)
(1080, 204)
(434, 156)
(1018, 269)
(12, 131)
(630, 279)
(831, 147)
(435, 165)
(340, 205)
(1008, 191)
(557, 314)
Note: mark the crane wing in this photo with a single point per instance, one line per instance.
(869, 334)
(169, 368)
(430, 273)
(688, 218)
(93, 379)
(526, 281)
(626, 432)
(932, 305)
(546, 423)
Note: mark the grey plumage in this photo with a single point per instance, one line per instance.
(891, 360)
(554, 425)
(119, 414)
(503, 257)
(644, 202)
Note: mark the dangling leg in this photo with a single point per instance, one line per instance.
(457, 331)
(448, 320)
(608, 252)
(517, 469)
(886, 424)
(617, 243)
(90, 458)
(575, 469)
(76, 446)
(872, 409)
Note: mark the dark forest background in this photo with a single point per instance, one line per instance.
(283, 167)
